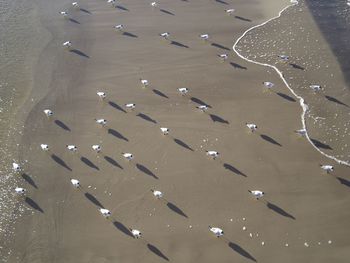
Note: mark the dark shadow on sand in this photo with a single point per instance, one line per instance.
(33, 204)
(117, 134)
(128, 34)
(176, 209)
(159, 93)
(74, 21)
(233, 169)
(156, 251)
(113, 162)
(332, 99)
(29, 180)
(241, 251)
(321, 145)
(116, 106)
(199, 102)
(89, 163)
(279, 210)
(122, 228)
(121, 8)
(175, 43)
(344, 181)
(270, 140)
(62, 125)
(216, 118)
(166, 12)
(243, 18)
(93, 200)
(78, 52)
(145, 170)
(296, 66)
(146, 118)
(285, 96)
(237, 66)
(85, 11)
(183, 144)
(220, 46)
(60, 162)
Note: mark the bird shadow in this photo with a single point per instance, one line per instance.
(62, 125)
(238, 66)
(122, 8)
(270, 140)
(113, 162)
(117, 134)
(156, 251)
(85, 11)
(220, 46)
(89, 163)
(296, 66)
(166, 12)
(159, 93)
(122, 228)
(33, 204)
(279, 210)
(145, 170)
(128, 34)
(176, 43)
(176, 209)
(243, 18)
(60, 162)
(93, 200)
(199, 101)
(285, 96)
(216, 118)
(233, 169)
(221, 2)
(332, 99)
(116, 106)
(241, 251)
(29, 180)
(344, 181)
(74, 21)
(183, 144)
(321, 145)
(78, 52)
(146, 117)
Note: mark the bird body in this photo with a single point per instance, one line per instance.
(67, 44)
(183, 91)
(202, 107)
(119, 27)
(64, 13)
(130, 106)
(101, 94)
(218, 232)
(48, 112)
(327, 168)
(20, 191)
(157, 194)
(44, 147)
(284, 57)
(252, 127)
(112, 2)
(301, 132)
(16, 167)
(105, 212)
(75, 183)
(154, 4)
(315, 88)
(204, 36)
(213, 154)
(164, 130)
(136, 233)
(128, 156)
(230, 11)
(102, 122)
(144, 82)
(71, 147)
(268, 84)
(75, 4)
(165, 35)
(223, 56)
(256, 193)
(96, 148)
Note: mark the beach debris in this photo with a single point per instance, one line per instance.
(230, 11)
(67, 44)
(16, 167)
(183, 91)
(136, 233)
(20, 190)
(102, 95)
(130, 106)
(64, 14)
(71, 147)
(202, 108)
(157, 194)
(165, 35)
(105, 212)
(213, 154)
(244, 228)
(102, 122)
(48, 112)
(75, 4)
(223, 57)
(44, 147)
(96, 148)
(75, 183)
(164, 130)
(256, 193)
(218, 232)
(144, 82)
(251, 126)
(315, 88)
(301, 132)
(128, 156)
(204, 37)
(327, 168)
(119, 27)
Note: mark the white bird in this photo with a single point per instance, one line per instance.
(67, 44)
(130, 106)
(44, 147)
(230, 11)
(102, 122)
(164, 130)
(315, 88)
(252, 127)
(284, 57)
(105, 212)
(136, 233)
(119, 27)
(75, 4)
(327, 168)
(128, 156)
(157, 194)
(295, 2)
(204, 36)
(101, 94)
(256, 193)
(223, 56)
(112, 2)
(71, 147)
(48, 112)
(64, 14)
(202, 107)
(301, 132)
(75, 183)
(165, 35)
(96, 148)
(213, 154)
(218, 232)
(144, 82)
(183, 91)
(348, 3)
(20, 191)
(154, 4)
(268, 84)
(16, 167)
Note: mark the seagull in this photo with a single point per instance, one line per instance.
(301, 132)
(213, 154)
(119, 27)
(44, 147)
(112, 2)
(136, 233)
(16, 167)
(75, 183)
(204, 36)
(164, 130)
(48, 112)
(327, 168)
(72, 147)
(295, 2)
(253, 127)
(130, 106)
(315, 88)
(67, 44)
(256, 193)
(183, 91)
(223, 56)
(157, 194)
(20, 191)
(144, 82)
(154, 4)
(101, 94)
(128, 156)
(284, 57)
(64, 14)
(268, 84)
(96, 148)
(75, 4)
(230, 11)
(105, 212)
(202, 107)
(102, 122)
(218, 232)
(165, 35)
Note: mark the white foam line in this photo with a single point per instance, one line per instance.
(301, 99)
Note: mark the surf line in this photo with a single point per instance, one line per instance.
(301, 99)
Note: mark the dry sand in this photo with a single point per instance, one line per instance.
(301, 205)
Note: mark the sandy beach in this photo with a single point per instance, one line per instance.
(301, 218)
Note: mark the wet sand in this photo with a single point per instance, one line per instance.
(302, 204)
